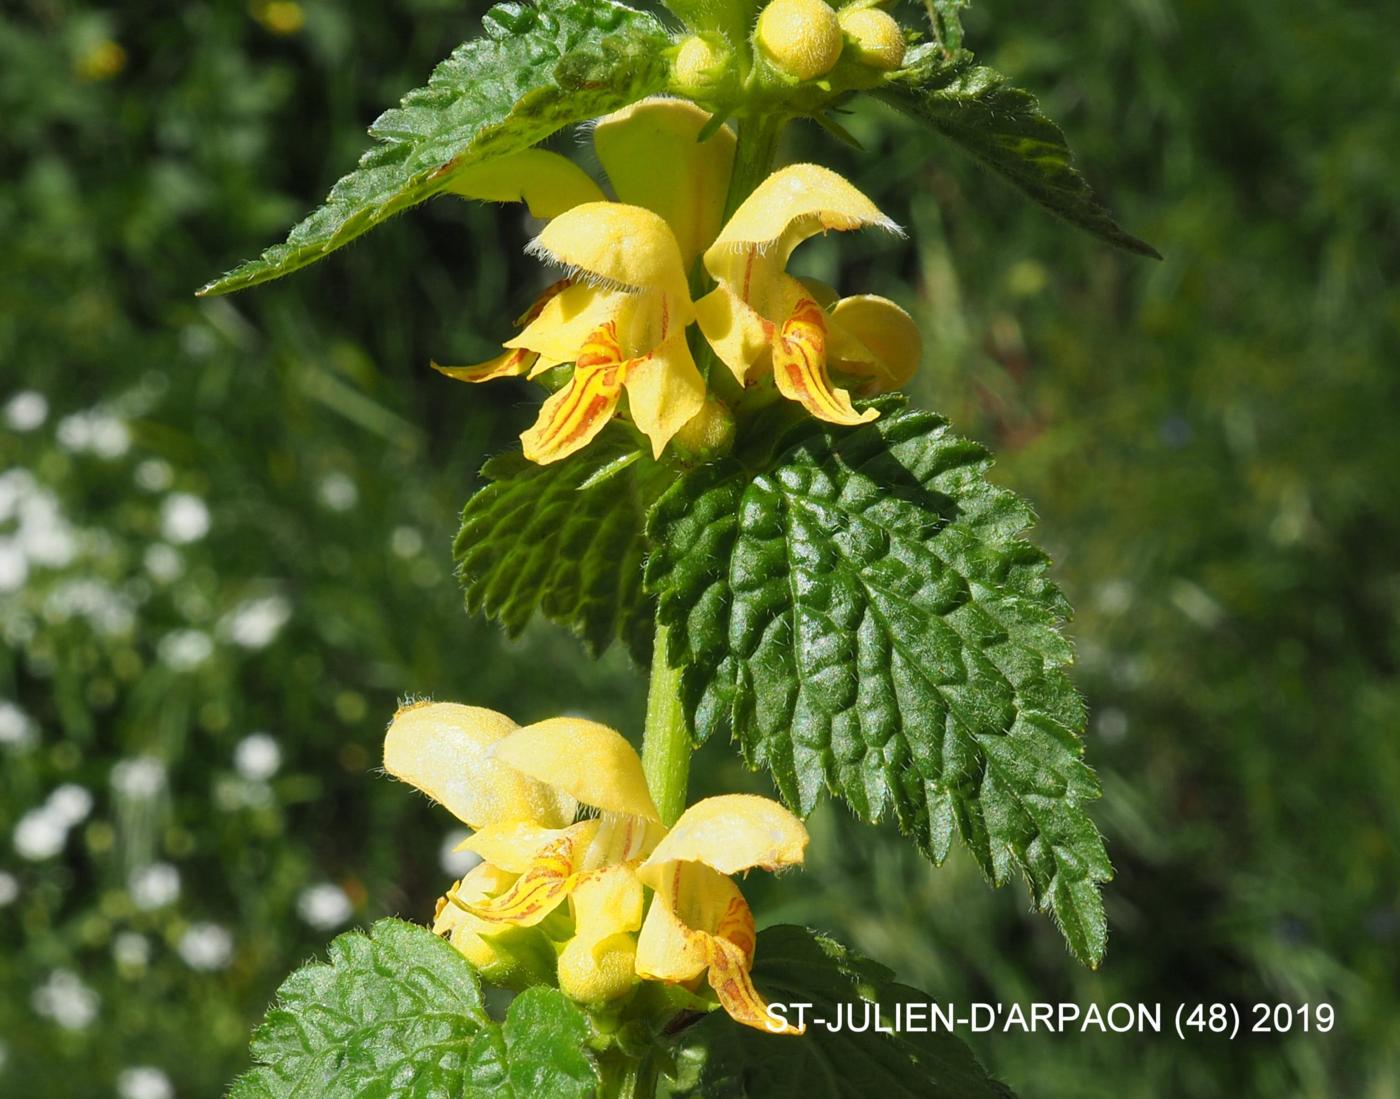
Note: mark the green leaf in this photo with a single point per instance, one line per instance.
(717, 1059)
(864, 617)
(945, 19)
(537, 1053)
(535, 70)
(394, 1013)
(566, 540)
(1003, 127)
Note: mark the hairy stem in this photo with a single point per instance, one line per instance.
(666, 742)
(754, 155)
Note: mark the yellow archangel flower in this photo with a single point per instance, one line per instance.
(620, 317)
(699, 922)
(761, 318)
(521, 790)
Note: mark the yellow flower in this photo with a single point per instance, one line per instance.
(621, 315)
(699, 922)
(520, 789)
(761, 318)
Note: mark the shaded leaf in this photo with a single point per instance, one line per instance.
(717, 1059)
(565, 540)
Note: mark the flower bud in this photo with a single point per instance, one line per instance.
(877, 37)
(515, 957)
(708, 434)
(702, 65)
(800, 37)
(593, 973)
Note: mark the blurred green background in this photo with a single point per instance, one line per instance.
(225, 526)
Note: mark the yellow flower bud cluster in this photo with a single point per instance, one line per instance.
(800, 37)
(878, 39)
(805, 38)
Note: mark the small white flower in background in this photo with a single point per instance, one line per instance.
(256, 623)
(257, 757)
(206, 946)
(44, 535)
(105, 609)
(40, 834)
(153, 886)
(154, 475)
(324, 906)
(15, 726)
(16, 486)
(131, 949)
(163, 562)
(338, 492)
(184, 518)
(1114, 596)
(96, 432)
(406, 542)
(9, 888)
(183, 650)
(1111, 724)
(26, 410)
(66, 1000)
(456, 863)
(139, 778)
(14, 566)
(197, 341)
(70, 803)
(144, 1082)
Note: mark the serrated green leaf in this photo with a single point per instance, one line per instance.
(565, 540)
(718, 1060)
(534, 70)
(537, 1052)
(864, 617)
(1004, 128)
(395, 1013)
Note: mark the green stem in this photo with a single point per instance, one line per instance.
(666, 741)
(666, 745)
(754, 155)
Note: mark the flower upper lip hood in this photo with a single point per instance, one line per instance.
(447, 751)
(617, 246)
